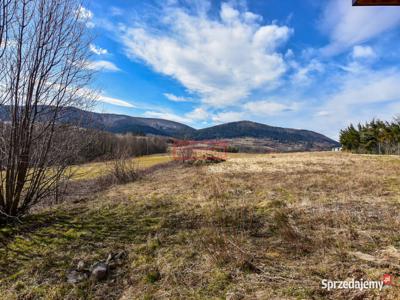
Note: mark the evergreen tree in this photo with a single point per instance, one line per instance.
(374, 137)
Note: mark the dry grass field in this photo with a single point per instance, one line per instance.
(254, 227)
(97, 169)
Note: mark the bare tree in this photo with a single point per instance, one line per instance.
(7, 9)
(6, 12)
(43, 60)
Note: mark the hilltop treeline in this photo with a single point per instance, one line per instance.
(99, 145)
(375, 137)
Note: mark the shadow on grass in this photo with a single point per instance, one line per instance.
(47, 246)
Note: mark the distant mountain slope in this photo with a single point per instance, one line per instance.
(118, 123)
(123, 124)
(256, 130)
(243, 129)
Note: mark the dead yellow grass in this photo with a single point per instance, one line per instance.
(254, 227)
(94, 170)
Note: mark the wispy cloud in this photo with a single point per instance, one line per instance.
(192, 117)
(115, 101)
(167, 116)
(198, 114)
(323, 113)
(253, 110)
(361, 93)
(303, 73)
(175, 98)
(103, 65)
(99, 96)
(365, 87)
(348, 26)
(268, 107)
(228, 116)
(363, 52)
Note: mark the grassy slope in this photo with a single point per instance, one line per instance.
(263, 226)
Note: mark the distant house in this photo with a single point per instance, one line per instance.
(337, 149)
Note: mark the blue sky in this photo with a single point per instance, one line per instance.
(308, 64)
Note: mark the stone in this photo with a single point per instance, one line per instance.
(75, 277)
(99, 271)
(120, 255)
(109, 258)
(81, 266)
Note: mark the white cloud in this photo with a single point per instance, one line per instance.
(198, 114)
(98, 95)
(175, 98)
(97, 50)
(250, 110)
(268, 107)
(363, 52)
(86, 16)
(348, 26)
(303, 74)
(359, 95)
(223, 60)
(102, 65)
(229, 14)
(167, 116)
(253, 110)
(228, 116)
(368, 87)
(323, 113)
(114, 101)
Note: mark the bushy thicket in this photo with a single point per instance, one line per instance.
(101, 145)
(375, 137)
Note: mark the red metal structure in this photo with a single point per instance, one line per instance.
(185, 150)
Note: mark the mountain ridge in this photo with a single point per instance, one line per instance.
(119, 123)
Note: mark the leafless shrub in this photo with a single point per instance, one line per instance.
(123, 169)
